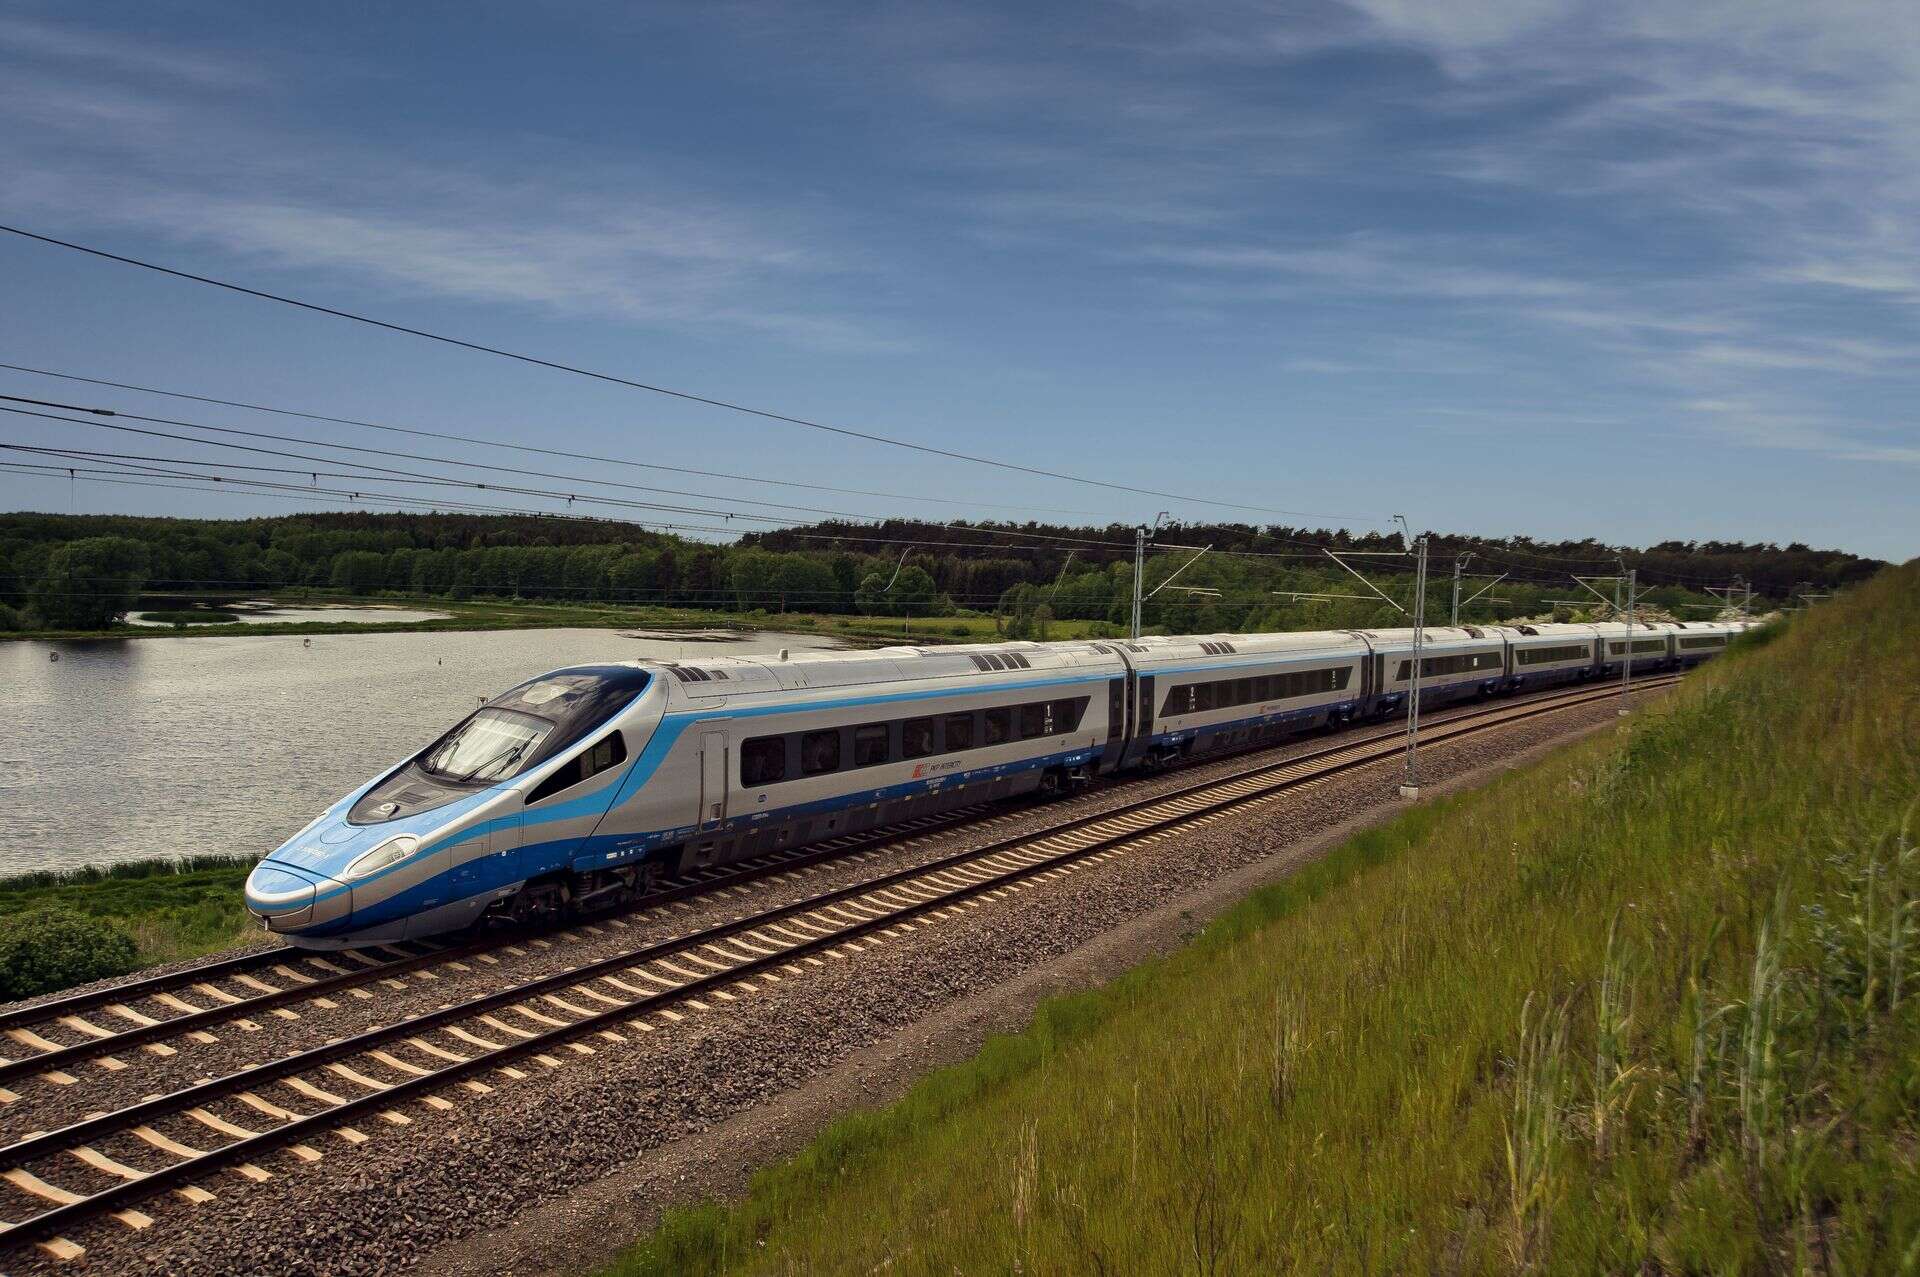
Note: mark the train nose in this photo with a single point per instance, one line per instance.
(283, 898)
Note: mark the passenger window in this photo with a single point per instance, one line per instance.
(820, 752)
(1033, 720)
(916, 738)
(998, 724)
(959, 728)
(1066, 715)
(870, 745)
(1202, 696)
(763, 761)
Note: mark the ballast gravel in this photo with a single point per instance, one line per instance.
(379, 1206)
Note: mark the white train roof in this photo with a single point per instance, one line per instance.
(802, 671)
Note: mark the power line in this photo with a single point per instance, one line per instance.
(548, 452)
(612, 379)
(229, 483)
(93, 414)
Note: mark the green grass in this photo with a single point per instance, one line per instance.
(1647, 1006)
(173, 909)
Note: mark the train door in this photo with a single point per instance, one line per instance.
(713, 780)
(1116, 724)
(1143, 716)
(489, 859)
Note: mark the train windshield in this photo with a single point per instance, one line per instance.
(492, 745)
(532, 722)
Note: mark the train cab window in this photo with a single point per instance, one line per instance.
(959, 730)
(998, 725)
(601, 755)
(870, 745)
(820, 752)
(916, 738)
(763, 761)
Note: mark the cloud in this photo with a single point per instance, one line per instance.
(77, 47)
(1373, 263)
(1760, 424)
(627, 241)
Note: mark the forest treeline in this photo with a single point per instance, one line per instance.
(83, 572)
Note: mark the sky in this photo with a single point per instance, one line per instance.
(1633, 270)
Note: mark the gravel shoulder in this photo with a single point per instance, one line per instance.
(553, 1171)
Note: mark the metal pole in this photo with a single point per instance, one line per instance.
(1139, 568)
(1626, 667)
(1410, 786)
(1454, 620)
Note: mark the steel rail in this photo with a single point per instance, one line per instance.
(683, 888)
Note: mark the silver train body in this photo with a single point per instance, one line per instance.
(579, 788)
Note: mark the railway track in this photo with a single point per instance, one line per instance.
(163, 1014)
(177, 1142)
(190, 1005)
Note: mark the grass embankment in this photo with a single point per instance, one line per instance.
(501, 614)
(169, 909)
(1648, 1006)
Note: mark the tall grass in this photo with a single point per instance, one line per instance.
(173, 908)
(1648, 1006)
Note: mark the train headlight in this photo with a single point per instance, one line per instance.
(390, 852)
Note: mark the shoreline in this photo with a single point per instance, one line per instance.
(684, 625)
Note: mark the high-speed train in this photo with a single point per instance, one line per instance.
(577, 789)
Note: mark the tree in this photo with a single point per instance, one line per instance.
(359, 571)
(870, 596)
(90, 584)
(914, 593)
(631, 576)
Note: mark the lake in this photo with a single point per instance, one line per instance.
(261, 613)
(128, 748)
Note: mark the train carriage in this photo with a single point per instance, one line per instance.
(1206, 694)
(1456, 663)
(576, 789)
(1696, 641)
(1652, 647)
(1550, 654)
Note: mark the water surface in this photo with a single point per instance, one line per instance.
(128, 748)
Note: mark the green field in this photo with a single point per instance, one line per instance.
(1648, 1006)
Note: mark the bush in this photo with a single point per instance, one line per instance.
(10, 619)
(54, 948)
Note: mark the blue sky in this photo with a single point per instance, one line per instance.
(1631, 269)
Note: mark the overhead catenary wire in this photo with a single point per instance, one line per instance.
(94, 416)
(652, 388)
(539, 451)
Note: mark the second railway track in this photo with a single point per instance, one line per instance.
(429, 1061)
